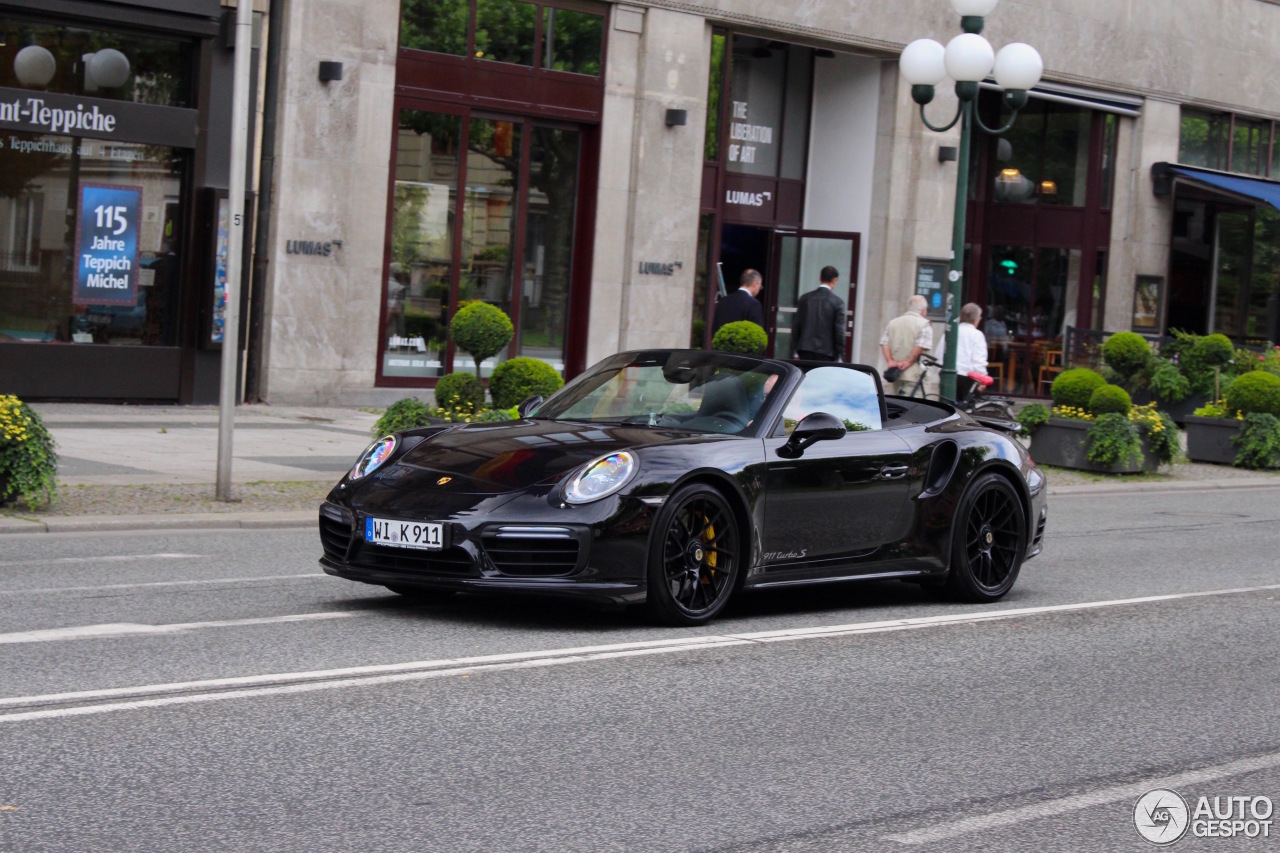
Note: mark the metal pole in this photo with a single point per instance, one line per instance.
(955, 278)
(235, 242)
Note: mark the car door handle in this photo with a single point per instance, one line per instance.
(894, 472)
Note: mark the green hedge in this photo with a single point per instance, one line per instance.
(402, 414)
(517, 379)
(1256, 392)
(742, 336)
(1075, 387)
(1110, 400)
(1126, 353)
(460, 393)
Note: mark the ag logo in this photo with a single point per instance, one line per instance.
(1161, 816)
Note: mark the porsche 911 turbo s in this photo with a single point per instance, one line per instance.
(677, 478)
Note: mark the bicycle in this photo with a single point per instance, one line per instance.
(984, 405)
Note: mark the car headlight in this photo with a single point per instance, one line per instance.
(373, 457)
(601, 478)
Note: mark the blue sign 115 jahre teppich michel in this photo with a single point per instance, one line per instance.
(107, 245)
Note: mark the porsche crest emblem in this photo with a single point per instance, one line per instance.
(443, 480)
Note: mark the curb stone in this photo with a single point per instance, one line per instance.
(191, 521)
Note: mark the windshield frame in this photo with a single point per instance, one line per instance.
(701, 364)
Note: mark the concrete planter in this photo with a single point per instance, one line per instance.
(1209, 439)
(1063, 443)
(1179, 411)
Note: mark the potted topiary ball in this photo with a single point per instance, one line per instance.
(1128, 354)
(741, 336)
(481, 330)
(518, 379)
(1214, 432)
(1110, 400)
(1072, 389)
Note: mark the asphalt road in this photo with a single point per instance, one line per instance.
(214, 691)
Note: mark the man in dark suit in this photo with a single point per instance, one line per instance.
(819, 325)
(741, 304)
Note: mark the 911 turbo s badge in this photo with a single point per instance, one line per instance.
(774, 556)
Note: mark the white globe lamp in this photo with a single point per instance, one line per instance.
(969, 58)
(34, 66)
(1018, 66)
(108, 68)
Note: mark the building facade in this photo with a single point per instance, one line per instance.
(114, 149)
(602, 171)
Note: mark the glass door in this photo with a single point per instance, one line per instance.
(482, 209)
(800, 257)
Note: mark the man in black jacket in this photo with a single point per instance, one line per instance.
(819, 325)
(742, 304)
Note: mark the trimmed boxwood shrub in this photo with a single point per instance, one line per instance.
(1110, 400)
(460, 393)
(1213, 350)
(1074, 387)
(517, 379)
(402, 414)
(1254, 392)
(741, 336)
(1127, 353)
(481, 330)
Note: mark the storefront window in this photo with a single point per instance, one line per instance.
(1264, 290)
(1204, 139)
(435, 25)
(1249, 146)
(572, 41)
(715, 85)
(489, 217)
(1018, 156)
(1066, 155)
(505, 31)
(427, 154)
(1108, 161)
(548, 244)
(78, 61)
(755, 106)
(1234, 247)
(89, 241)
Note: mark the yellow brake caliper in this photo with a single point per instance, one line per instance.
(708, 536)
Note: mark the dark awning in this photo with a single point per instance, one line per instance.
(1236, 187)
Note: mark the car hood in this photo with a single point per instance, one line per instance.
(494, 459)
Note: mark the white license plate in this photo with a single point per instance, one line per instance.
(404, 534)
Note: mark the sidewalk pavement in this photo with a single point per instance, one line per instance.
(128, 467)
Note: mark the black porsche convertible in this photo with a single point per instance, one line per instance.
(676, 478)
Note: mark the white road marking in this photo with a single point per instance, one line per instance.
(277, 684)
(53, 561)
(1129, 791)
(150, 584)
(133, 629)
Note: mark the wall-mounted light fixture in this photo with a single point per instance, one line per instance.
(330, 71)
(677, 117)
(34, 66)
(823, 53)
(947, 153)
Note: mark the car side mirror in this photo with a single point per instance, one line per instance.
(818, 426)
(527, 405)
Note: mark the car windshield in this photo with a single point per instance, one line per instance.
(699, 391)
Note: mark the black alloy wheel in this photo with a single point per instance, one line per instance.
(989, 536)
(694, 556)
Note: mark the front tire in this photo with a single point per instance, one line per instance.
(989, 539)
(695, 557)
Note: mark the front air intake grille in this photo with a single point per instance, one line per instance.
(453, 562)
(1039, 531)
(335, 531)
(532, 551)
